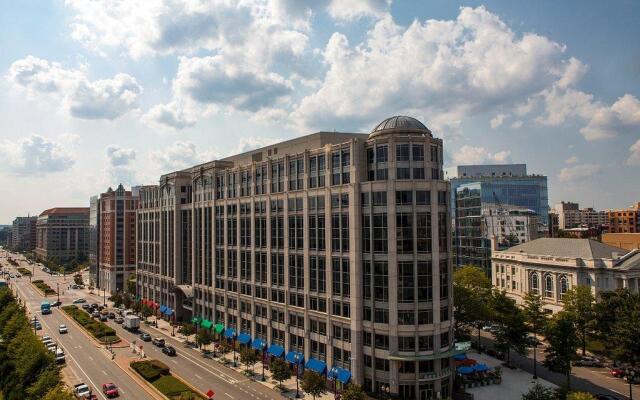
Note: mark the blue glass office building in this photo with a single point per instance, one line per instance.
(508, 185)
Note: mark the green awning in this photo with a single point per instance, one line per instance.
(206, 324)
(196, 320)
(219, 327)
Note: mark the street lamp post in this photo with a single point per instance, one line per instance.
(35, 324)
(296, 358)
(263, 358)
(173, 326)
(104, 296)
(58, 290)
(235, 364)
(630, 380)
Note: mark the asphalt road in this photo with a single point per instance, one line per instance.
(86, 361)
(593, 380)
(189, 364)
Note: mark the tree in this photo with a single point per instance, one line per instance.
(471, 287)
(616, 323)
(512, 331)
(313, 383)
(187, 329)
(59, 393)
(560, 332)
(353, 392)
(248, 357)
(205, 337)
(536, 319)
(146, 311)
(116, 298)
(578, 303)
(279, 370)
(580, 396)
(539, 392)
(131, 285)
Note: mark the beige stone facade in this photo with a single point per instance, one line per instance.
(335, 245)
(551, 266)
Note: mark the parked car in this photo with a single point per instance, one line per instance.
(158, 341)
(74, 286)
(103, 317)
(112, 315)
(118, 320)
(617, 372)
(86, 306)
(45, 338)
(81, 390)
(94, 305)
(169, 350)
(95, 314)
(145, 337)
(110, 390)
(79, 301)
(62, 329)
(56, 304)
(588, 362)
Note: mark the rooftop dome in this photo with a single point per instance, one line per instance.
(399, 124)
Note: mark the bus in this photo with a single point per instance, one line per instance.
(45, 308)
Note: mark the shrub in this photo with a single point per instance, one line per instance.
(97, 329)
(170, 386)
(44, 287)
(151, 369)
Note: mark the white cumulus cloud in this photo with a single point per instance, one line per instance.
(479, 155)
(120, 168)
(578, 172)
(497, 120)
(181, 154)
(79, 96)
(634, 154)
(34, 155)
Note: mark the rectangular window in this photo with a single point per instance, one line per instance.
(425, 284)
(423, 197)
(405, 282)
(402, 152)
(381, 281)
(404, 232)
(418, 152)
(404, 197)
(423, 232)
(403, 173)
(380, 233)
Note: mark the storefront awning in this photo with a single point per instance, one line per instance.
(162, 308)
(316, 366)
(276, 350)
(244, 338)
(342, 375)
(295, 357)
(258, 344)
(229, 333)
(219, 328)
(206, 324)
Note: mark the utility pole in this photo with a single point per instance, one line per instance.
(58, 290)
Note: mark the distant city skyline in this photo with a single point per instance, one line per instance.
(96, 95)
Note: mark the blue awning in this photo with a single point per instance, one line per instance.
(168, 311)
(244, 338)
(460, 357)
(295, 357)
(316, 366)
(258, 344)
(162, 308)
(229, 333)
(276, 350)
(341, 374)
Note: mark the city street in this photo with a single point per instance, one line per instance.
(594, 380)
(82, 353)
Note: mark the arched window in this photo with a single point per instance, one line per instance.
(548, 286)
(564, 286)
(533, 284)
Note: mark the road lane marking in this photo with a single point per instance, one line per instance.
(197, 376)
(229, 395)
(103, 371)
(90, 358)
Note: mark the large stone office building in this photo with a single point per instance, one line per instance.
(62, 234)
(23, 233)
(332, 246)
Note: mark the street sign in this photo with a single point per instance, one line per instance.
(210, 394)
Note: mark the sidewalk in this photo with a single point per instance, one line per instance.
(515, 382)
(226, 360)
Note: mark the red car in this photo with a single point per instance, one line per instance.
(110, 390)
(616, 372)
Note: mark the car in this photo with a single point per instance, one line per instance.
(45, 338)
(617, 372)
(169, 350)
(74, 286)
(94, 305)
(100, 308)
(56, 304)
(103, 318)
(144, 336)
(588, 362)
(112, 315)
(62, 329)
(110, 390)
(52, 347)
(38, 326)
(81, 390)
(157, 341)
(18, 276)
(79, 301)
(47, 342)
(118, 320)
(86, 306)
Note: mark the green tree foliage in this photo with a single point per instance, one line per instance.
(248, 357)
(131, 285)
(578, 303)
(279, 370)
(353, 392)
(117, 299)
(534, 315)
(616, 323)
(539, 392)
(187, 329)
(512, 330)
(580, 396)
(471, 288)
(560, 332)
(146, 311)
(313, 383)
(205, 337)
(27, 369)
(59, 393)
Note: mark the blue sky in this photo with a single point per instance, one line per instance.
(97, 93)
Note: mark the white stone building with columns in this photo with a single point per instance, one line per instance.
(551, 266)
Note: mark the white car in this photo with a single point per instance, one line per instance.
(81, 390)
(63, 329)
(45, 338)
